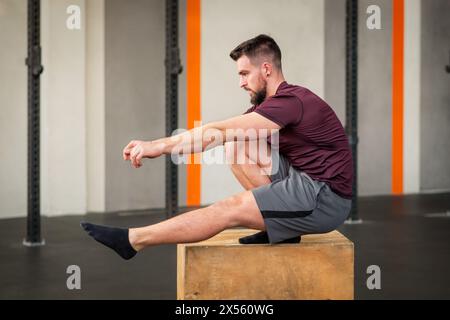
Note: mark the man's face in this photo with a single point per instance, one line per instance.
(252, 80)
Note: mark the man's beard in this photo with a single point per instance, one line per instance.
(259, 96)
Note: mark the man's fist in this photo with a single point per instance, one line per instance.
(136, 150)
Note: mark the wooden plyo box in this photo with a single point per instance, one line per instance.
(320, 267)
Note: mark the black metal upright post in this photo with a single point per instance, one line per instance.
(173, 69)
(352, 96)
(33, 61)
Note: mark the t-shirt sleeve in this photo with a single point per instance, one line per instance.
(250, 110)
(283, 110)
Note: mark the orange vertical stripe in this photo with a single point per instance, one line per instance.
(193, 15)
(397, 96)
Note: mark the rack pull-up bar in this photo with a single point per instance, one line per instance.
(351, 97)
(173, 69)
(33, 61)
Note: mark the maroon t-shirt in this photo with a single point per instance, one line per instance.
(311, 136)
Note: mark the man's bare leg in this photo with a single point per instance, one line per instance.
(197, 225)
(193, 226)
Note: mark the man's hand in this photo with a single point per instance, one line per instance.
(136, 150)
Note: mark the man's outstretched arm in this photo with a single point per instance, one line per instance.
(244, 127)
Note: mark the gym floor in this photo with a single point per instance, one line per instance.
(405, 236)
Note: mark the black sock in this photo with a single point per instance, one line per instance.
(115, 238)
(262, 237)
(291, 240)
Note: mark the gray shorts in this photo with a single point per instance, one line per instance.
(294, 204)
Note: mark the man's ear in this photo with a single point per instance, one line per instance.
(267, 69)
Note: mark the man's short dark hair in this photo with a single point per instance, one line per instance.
(261, 45)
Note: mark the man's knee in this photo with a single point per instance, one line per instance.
(231, 207)
(237, 170)
(248, 152)
(240, 210)
(230, 203)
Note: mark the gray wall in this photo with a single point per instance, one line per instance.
(435, 96)
(335, 56)
(135, 32)
(63, 111)
(134, 94)
(63, 116)
(412, 85)
(297, 26)
(95, 105)
(13, 106)
(375, 101)
(374, 89)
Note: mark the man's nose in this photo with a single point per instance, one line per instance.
(242, 83)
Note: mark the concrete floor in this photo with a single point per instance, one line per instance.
(411, 249)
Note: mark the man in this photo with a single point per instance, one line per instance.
(304, 188)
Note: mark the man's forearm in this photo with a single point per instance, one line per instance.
(251, 126)
(193, 141)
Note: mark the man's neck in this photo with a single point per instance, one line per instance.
(273, 85)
